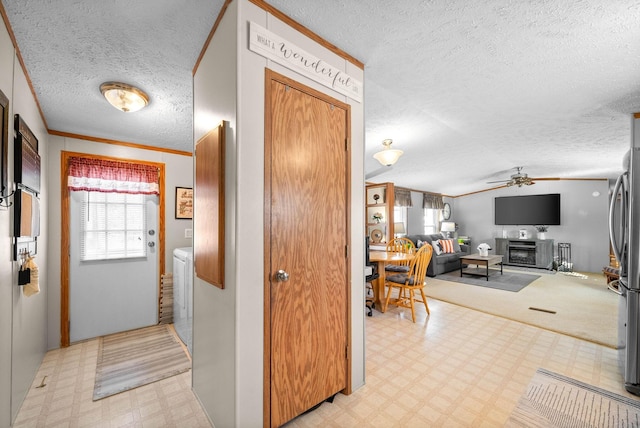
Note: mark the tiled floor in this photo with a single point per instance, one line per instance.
(458, 368)
(66, 400)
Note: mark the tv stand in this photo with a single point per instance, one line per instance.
(536, 253)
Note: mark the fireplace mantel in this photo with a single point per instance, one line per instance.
(526, 252)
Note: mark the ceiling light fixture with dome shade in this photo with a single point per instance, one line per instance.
(388, 156)
(124, 97)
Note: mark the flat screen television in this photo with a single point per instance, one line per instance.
(528, 210)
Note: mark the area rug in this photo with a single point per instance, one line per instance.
(579, 306)
(554, 400)
(508, 281)
(134, 358)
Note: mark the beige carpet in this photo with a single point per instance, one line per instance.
(134, 358)
(578, 305)
(553, 400)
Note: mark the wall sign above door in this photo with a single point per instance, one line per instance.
(270, 45)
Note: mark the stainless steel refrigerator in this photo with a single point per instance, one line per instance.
(624, 231)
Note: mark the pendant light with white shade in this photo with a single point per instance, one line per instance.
(388, 156)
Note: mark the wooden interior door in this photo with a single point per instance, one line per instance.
(307, 213)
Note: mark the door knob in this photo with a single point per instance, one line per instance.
(282, 276)
(151, 244)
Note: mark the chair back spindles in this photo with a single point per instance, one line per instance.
(400, 245)
(408, 283)
(418, 266)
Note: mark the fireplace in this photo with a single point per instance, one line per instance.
(523, 254)
(526, 252)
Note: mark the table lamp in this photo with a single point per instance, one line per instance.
(448, 226)
(398, 229)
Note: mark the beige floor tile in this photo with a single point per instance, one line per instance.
(457, 368)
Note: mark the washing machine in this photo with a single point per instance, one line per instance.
(183, 294)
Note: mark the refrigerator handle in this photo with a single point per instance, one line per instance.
(612, 236)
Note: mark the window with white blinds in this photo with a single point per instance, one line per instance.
(113, 226)
(430, 220)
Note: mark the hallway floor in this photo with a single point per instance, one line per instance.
(459, 368)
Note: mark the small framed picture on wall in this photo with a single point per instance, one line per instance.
(184, 203)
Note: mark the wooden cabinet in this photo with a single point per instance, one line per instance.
(379, 212)
(526, 252)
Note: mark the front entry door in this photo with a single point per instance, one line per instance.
(307, 214)
(111, 296)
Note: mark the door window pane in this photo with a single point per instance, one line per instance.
(113, 226)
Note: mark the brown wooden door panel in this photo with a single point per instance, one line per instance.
(308, 239)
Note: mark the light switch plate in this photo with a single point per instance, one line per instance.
(188, 233)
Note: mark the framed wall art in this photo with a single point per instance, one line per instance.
(184, 202)
(4, 145)
(25, 157)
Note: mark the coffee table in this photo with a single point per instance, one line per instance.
(478, 260)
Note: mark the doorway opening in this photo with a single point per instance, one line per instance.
(66, 242)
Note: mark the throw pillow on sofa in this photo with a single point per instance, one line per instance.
(443, 246)
(447, 246)
(436, 247)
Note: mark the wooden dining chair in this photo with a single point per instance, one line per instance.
(408, 283)
(399, 245)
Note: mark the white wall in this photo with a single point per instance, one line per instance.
(214, 310)
(6, 266)
(178, 172)
(22, 319)
(228, 324)
(584, 217)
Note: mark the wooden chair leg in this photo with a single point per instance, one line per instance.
(411, 301)
(424, 300)
(386, 301)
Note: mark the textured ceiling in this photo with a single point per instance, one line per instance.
(70, 47)
(467, 89)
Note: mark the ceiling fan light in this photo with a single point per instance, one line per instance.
(388, 156)
(124, 97)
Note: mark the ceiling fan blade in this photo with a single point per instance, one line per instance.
(499, 181)
(377, 172)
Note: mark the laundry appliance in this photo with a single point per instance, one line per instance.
(183, 294)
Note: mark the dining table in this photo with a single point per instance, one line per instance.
(382, 258)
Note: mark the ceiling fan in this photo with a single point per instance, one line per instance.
(518, 179)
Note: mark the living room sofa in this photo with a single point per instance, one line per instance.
(441, 263)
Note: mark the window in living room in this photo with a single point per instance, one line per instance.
(400, 215)
(430, 220)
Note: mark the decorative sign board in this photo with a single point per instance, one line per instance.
(265, 43)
